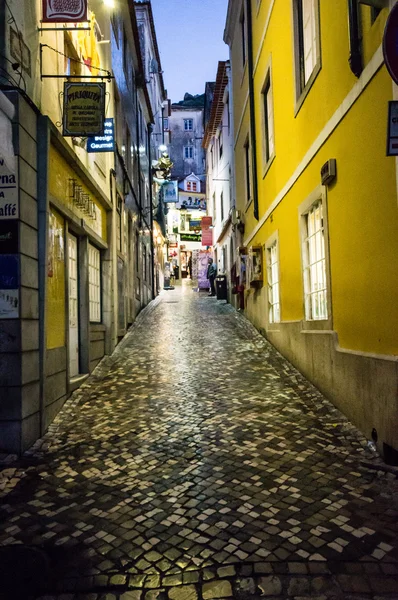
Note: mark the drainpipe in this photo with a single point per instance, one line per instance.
(151, 213)
(43, 146)
(251, 100)
(355, 59)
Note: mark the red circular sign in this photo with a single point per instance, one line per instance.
(390, 43)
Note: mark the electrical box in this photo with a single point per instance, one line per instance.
(328, 171)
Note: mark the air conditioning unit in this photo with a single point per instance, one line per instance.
(235, 216)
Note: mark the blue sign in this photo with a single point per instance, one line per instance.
(103, 143)
(170, 191)
(9, 272)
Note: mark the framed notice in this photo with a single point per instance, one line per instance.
(392, 134)
(64, 11)
(84, 109)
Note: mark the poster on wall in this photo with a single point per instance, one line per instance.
(64, 11)
(9, 304)
(9, 281)
(9, 205)
(9, 237)
(84, 109)
(203, 263)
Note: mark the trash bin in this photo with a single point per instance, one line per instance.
(177, 272)
(221, 287)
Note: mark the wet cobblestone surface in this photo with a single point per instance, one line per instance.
(196, 463)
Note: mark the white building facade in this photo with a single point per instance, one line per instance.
(218, 143)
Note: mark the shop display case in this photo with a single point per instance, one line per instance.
(255, 266)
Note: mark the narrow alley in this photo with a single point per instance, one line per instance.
(197, 463)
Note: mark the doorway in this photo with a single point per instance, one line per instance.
(73, 287)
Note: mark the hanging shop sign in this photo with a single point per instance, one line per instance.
(9, 206)
(206, 222)
(207, 237)
(64, 11)
(84, 109)
(103, 143)
(194, 224)
(207, 231)
(170, 191)
(190, 237)
(392, 134)
(390, 47)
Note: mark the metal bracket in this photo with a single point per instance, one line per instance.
(63, 29)
(107, 75)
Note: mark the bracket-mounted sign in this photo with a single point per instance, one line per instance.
(64, 11)
(390, 43)
(84, 109)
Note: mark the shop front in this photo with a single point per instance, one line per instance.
(78, 286)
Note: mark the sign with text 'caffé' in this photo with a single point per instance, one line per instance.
(64, 11)
(9, 207)
(84, 109)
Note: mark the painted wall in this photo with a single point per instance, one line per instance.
(345, 118)
(180, 138)
(55, 307)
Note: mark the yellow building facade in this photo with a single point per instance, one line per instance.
(318, 196)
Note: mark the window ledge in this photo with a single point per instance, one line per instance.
(268, 164)
(310, 326)
(243, 73)
(248, 205)
(308, 86)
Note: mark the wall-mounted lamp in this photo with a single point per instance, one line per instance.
(110, 3)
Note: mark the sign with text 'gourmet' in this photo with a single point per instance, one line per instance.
(103, 143)
(64, 11)
(84, 109)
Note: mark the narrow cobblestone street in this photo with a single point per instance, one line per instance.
(197, 463)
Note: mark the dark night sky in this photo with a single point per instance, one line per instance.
(190, 40)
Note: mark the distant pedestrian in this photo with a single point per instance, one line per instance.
(211, 275)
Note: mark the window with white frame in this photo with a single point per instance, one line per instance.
(314, 264)
(94, 283)
(268, 112)
(274, 306)
(188, 124)
(188, 151)
(306, 29)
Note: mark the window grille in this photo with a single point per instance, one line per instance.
(273, 283)
(315, 283)
(94, 282)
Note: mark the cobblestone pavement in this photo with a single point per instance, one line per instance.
(197, 463)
